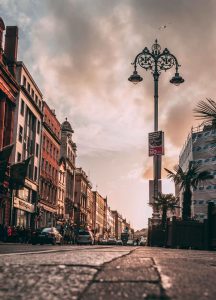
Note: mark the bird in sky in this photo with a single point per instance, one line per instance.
(162, 27)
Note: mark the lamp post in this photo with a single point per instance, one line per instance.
(156, 61)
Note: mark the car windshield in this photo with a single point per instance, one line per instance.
(84, 233)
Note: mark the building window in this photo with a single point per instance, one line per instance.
(24, 81)
(46, 166)
(18, 156)
(47, 146)
(32, 93)
(38, 126)
(29, 87)
(35, 173)
(20, 134)
(37, 150)
(36, 99)
(22, 107)
(42, 164)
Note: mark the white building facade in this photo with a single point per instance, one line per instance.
(27, 142)
(199, 147)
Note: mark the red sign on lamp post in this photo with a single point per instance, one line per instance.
(156, 143)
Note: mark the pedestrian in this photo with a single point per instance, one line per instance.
(1, 232)
(5, 233)
(9, 233)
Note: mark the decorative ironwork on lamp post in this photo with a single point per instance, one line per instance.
(156, 61)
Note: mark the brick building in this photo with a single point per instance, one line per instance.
(110, 223)
(90, 209)
(99, 209)
(49, 173)
(82, 187)
(118, 221)
(9, 89)
(68, 154)
(61, 191)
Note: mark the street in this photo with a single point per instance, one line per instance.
(105, 272)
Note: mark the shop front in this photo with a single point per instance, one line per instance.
(5, 208)
(24, 201)
(47, 216)
(23, 211)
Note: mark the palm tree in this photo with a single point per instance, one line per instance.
(206, 110)
(186, 180)
(165, 203)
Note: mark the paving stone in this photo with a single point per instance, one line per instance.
(89, 257)
(122, 290)
(129, 268)
(43, 282)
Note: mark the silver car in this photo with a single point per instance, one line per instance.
(85, 237)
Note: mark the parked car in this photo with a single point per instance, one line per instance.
(102, 242)
(35, 236)
(49, 235)
(130, 243)
(111, 241)
(119, 242)
(85, 237)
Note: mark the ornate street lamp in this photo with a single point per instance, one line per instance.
(156, 61)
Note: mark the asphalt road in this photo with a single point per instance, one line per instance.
(105, 272)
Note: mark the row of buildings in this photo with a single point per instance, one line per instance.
(54, 189)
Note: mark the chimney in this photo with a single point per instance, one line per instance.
(11, 46)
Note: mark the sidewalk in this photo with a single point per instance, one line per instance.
(156, 273)
(107, 273)
(133, 276)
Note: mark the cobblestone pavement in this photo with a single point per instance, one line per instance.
(105, 272)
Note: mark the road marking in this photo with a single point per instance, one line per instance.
(55, 250)
(166, 280)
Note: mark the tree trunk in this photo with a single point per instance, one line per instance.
(164, 216)
(186, 211)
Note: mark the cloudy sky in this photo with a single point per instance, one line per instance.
(80, 53)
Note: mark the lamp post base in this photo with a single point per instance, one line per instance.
(156, 219)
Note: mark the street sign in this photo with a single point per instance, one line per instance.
(156, 143)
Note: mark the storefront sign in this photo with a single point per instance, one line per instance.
(48, 208)
(18, 203)
(31, 185)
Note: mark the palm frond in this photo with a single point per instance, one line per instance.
(206, 110)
